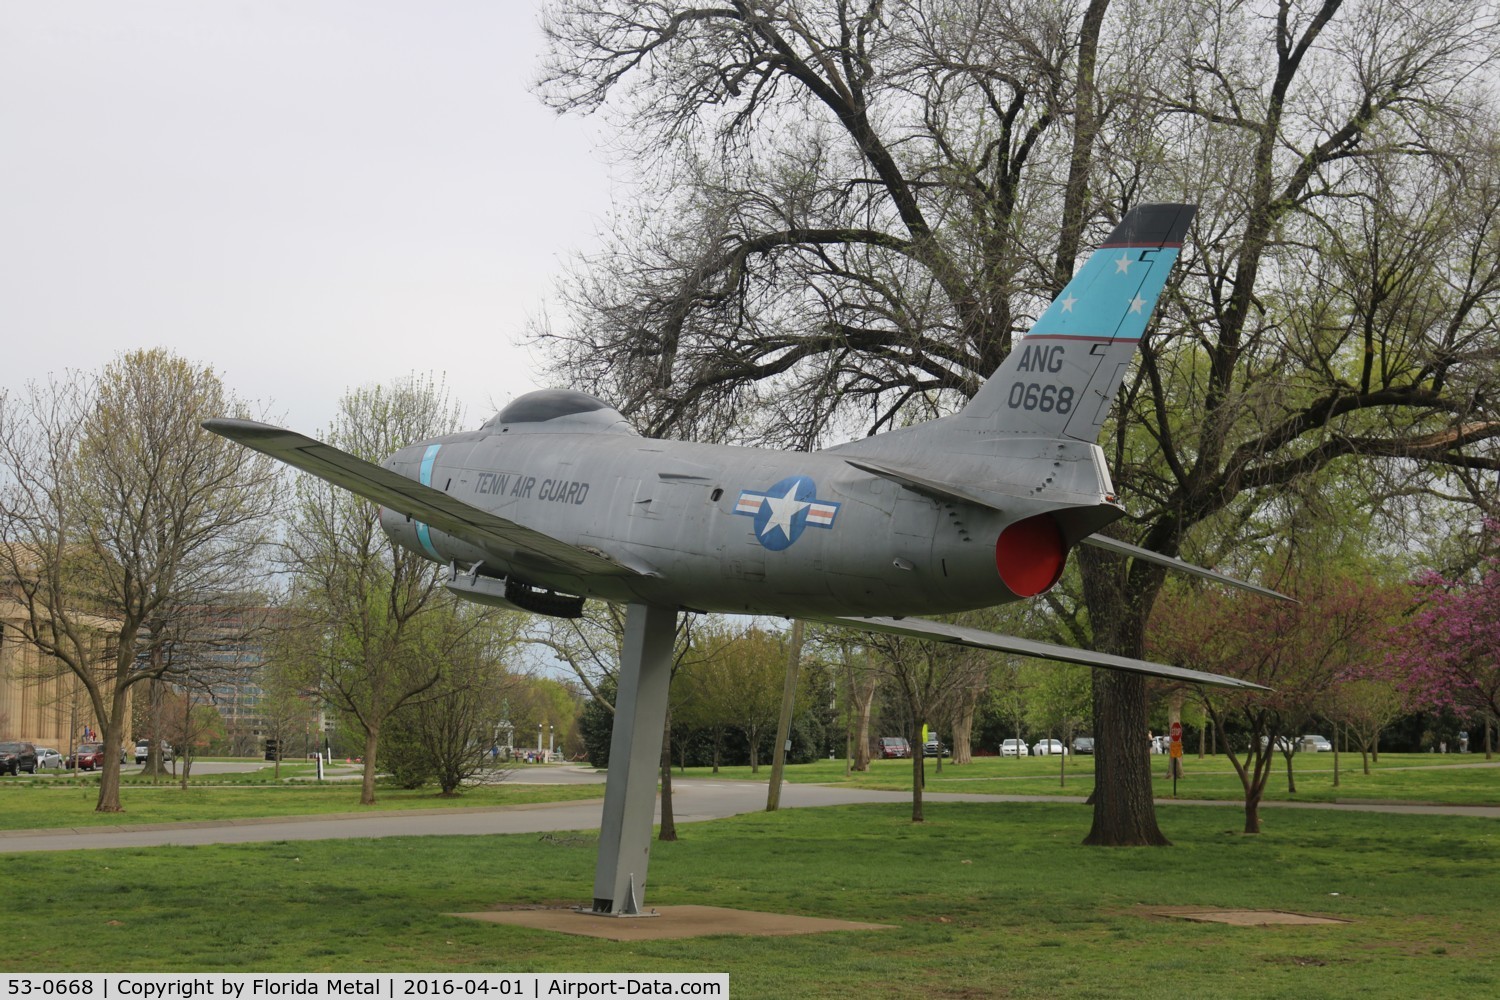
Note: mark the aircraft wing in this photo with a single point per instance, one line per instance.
(1147, 555)
(433, 507)
(961, 635)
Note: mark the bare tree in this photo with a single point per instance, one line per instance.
(931, 678)
(853, 208)
(118, 511)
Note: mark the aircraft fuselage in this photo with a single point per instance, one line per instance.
(714, 528)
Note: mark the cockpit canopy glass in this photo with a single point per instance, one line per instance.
(559, 409)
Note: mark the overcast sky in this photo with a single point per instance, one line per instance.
(306, 194)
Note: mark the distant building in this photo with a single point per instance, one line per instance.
(41, 700)
(226, 651)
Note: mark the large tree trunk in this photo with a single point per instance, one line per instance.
(109, 771)
(367, 784)
(1252, 811)
(112, 733)
(1124, 810)
(963, 725)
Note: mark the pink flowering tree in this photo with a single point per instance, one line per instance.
(1301, 651)
(1449, 650)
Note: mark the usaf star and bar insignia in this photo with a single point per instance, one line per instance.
(785, 510)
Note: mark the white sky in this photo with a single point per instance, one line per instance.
(308, 195)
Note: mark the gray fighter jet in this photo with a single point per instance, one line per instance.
(556, 500)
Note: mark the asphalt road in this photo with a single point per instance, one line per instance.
(694, 800)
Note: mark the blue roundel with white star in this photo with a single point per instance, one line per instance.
(785, 510)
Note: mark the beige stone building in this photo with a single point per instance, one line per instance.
(41, 700)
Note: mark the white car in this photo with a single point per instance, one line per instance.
(1318, 744)
(1013, 748)
(48, 757)
(143, 750)
(1047, 748)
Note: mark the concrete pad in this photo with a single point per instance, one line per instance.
(1242, 918)
(669, 922)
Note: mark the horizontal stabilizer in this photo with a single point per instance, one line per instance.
(1171, 562)
(921, 628)
(407, 496)
(941, 492)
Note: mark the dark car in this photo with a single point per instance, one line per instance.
(894, 746)
(1083, 744)
(88, 757)
(16, 757)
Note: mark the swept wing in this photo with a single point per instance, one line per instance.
(1147, 555)
(395, 491)
(961, 635)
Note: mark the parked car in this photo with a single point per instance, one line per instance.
(143, 750)
(1285, 744)
(1047, 748)
(87, 757)
(1083, 744)
(894, 746)
(16, 756)
(1318, 744)
(48, 757)
(934, 748)
(1013, 748)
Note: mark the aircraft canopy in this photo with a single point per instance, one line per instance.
(561, 410)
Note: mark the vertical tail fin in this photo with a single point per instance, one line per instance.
(1060, 379)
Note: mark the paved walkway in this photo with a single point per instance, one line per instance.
(694, 800)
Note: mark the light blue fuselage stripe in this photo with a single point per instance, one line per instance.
(428, 457)
(424, 534)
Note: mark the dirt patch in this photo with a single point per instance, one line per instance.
(1241, 918)
(669, 922)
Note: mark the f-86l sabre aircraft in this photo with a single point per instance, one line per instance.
(556, 499)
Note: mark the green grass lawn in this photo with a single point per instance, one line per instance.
(26, 804)
(68, 802)
(1397, 778)
(986, 900)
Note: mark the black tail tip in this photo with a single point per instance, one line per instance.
(1153, 225)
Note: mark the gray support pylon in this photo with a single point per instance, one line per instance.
(634, 759)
